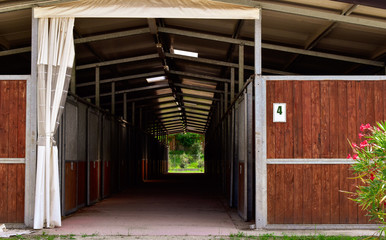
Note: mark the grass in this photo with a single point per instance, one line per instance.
(186, 171)
(237, 236)
(243, 236)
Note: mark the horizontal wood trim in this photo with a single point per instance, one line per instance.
(324, 78)
(12, 160)
(14, 77)
(310, 161)
(323, 226)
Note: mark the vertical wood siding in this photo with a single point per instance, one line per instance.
(12, 145)
(310, 194)
(12, 119)
(321, 116)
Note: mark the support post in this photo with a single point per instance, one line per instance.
(125, 106)
(232, 84)
(113, 98)
(260, 135)
(31, 130)
(97, 87)
(140, 118)
(73, 78)
(133, 113)
(241, 67)
(225, 97)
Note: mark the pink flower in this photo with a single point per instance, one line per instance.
(354, 145)
(360, 135)
(364, 127)
(372, 177)
(348, 156)
(363, 144)
(355, 156)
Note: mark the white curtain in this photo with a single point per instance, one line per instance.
(55, 60)
(200, 9)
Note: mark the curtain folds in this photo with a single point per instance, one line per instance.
(55, 60)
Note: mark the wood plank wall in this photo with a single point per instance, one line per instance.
(12, 145)
(321, 116)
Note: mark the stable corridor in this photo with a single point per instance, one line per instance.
(176, 204)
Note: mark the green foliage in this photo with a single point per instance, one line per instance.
(191, 157)
(370, 168)
(188, 139)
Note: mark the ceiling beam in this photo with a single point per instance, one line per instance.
(117, 79)
(200, 76)
(131, 90)
(107, 36)
(320, 34)
(309, 12)
(118, 61)
(192, 87)
(272, 46)
(198, 96)
(150, 97)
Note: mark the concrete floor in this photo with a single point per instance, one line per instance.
(176, 207)
(187, 205)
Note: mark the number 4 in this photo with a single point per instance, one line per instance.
(279, 110)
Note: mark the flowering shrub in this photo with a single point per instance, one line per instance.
(370, 168)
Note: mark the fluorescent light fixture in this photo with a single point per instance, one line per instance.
(155, 79)
(185, 53)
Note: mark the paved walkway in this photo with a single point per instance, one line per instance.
(178, 207)
(186, 206)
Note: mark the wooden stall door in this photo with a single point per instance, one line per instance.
(321, 116)
(93, 157)
(242, 155)
(12, 146)
(70, 167)
(82, 155)
(106, 159)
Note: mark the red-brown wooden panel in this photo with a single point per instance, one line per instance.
(315, 119)
(334, 172)
(324, 120)
(279, 132)
(271, 180)
(82, 183)
(326, 194)
(3, 193)
(70, 186)
(20, 193)
(289, 193)
(94, 181)
(21, 120)
(334, 113)
(321, 116)
(270, 125)
(279, 193)
(12, 193)
(298, 194)
(298, 120)
(316, 192)
(4, 119)
(12, 119)
(106, 179)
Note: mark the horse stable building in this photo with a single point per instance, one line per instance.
(90, 90)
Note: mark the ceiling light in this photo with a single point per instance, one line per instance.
(185, 53)
(155, 79)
